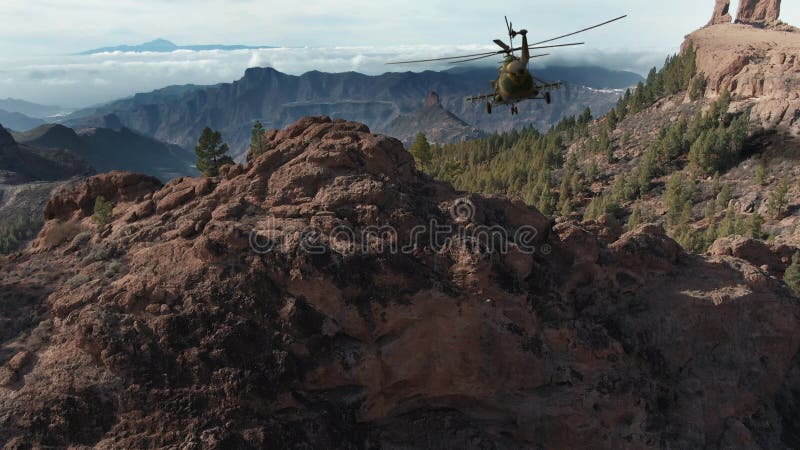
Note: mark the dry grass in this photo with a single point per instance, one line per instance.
(61, 232)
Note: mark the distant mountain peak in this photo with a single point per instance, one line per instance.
(161, 45)
(161, 41)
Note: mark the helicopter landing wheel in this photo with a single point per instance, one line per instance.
(547, 98)
(488, 107)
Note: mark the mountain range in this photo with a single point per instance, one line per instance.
(165, 46)
(18, 121)
(30, 109)
(20, 163)
(115, 148)
(178, 114)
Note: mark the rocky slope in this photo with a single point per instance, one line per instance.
(758, 65)
(109, 149)
(177, 115)
(439, 125)
(239, 312)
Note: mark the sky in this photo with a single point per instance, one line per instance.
(39, 38)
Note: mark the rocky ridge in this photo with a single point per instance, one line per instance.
(199, 317)
(22, 163)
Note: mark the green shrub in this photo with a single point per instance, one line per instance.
(103, 211)
(792, 275)
(762, 172)
(16, 230)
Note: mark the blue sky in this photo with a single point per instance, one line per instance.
(37, 37)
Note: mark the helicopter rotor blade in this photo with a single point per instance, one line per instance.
(537, 47)
(470, 59)
(486, 54)
(581, 31)
(502, 45)
(482, 57)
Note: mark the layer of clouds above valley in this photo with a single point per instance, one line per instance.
(84, 80)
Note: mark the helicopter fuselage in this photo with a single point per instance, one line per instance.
(515, 83)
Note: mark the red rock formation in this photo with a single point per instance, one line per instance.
(236, 312)
(116, 187)
(432, 100)
(758, 11)
(772, 258)
(721, 13)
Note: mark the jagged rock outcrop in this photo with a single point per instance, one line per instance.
(266, 308)
(758, 11)
(439, 125)
(116, 187)
(721, 13)
(772, 258)
(432, 100)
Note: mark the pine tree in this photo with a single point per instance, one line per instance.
(258, 143)
(635, 218)
(724, 197)
(211, 153)
(792, 274)
(754, 225)
(762, 172)
(421, 150)
(103, 211)
(778, 200)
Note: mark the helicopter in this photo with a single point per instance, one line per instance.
(515, 83)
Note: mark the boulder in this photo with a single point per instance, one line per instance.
(116, 187)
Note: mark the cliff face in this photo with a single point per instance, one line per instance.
(761, 67)
(265, 308)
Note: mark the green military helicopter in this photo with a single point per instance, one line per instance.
(515, 82)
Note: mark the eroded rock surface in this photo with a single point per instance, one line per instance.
(235, 312)
(721, 13)
(758, 11)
